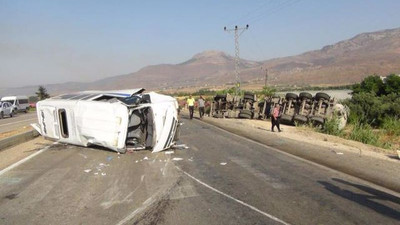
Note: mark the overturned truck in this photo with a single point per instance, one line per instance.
(228, 106)
(118, 120)
(302, 108)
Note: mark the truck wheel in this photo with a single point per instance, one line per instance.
(286, 117)
(244, 116)
(245, 111)
(291, 96)
(218, 97)
(249, 96)
(305, 95)
(317, 120)
(11, 114)
(300, 118)
(322, 95)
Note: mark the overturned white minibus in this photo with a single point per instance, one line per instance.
(118, 120)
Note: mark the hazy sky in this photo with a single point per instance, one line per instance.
(44, 42)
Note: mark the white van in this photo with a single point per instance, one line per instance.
(19, 103)
(118, 120)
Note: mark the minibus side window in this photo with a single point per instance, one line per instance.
(62, 115)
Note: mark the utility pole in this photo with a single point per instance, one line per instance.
(266, 76)
(237, 31)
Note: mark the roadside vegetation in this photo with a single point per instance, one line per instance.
(374, 113)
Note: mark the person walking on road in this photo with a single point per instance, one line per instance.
(190, 104)
(201, 102)
(275, 118)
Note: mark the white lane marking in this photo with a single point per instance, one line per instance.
(234, 199)
(25, 159)
(6, 124)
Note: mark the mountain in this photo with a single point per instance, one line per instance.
(345, 62)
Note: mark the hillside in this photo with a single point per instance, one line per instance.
(345, 62)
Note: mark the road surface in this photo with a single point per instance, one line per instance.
(220, 179)
(17, 121)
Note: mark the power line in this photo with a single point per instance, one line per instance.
(249, 13)
(272, 11)
(237, 32)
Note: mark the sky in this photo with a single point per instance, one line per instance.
(45, 42)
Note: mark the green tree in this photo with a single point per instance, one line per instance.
(33, 99)
(42, 93)
(392, 84)
(371, 84)
(268, 91)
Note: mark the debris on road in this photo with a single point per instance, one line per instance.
(181, 146)
(169, 152)
(177, 159)
(88, 170)
(223, 163)
(109, 158)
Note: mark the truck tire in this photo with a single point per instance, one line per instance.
(244, 116)
(287, 118)
(220, 96)
(246, 111)
(291, 96)
(305, 95)
(317, 119)
(322, 95)
(249, 97)
(300, 118)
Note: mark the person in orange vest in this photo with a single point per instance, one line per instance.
(190, 103)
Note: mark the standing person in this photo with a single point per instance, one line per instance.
(201, 106)
(275, 118)
(190, 104)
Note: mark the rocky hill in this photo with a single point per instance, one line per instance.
(345, 62)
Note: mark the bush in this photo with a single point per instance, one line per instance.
(364, 133)
(332, 127)
(367, 108)
(391, 126)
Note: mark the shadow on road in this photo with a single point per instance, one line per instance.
(368, 199)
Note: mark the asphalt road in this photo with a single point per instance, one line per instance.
(17, 121)
(220, 179)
